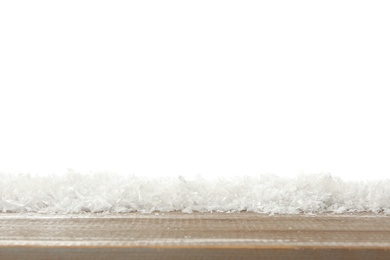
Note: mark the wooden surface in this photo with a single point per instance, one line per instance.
(194, 236)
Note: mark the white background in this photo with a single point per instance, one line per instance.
(195, 87)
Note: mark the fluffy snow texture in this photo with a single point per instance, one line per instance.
(105, 192)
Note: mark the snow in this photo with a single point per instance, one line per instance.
(106, 192)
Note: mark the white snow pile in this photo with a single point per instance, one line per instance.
(106, 192)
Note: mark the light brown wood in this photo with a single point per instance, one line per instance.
(194, 236)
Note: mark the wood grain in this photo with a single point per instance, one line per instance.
(194, 236)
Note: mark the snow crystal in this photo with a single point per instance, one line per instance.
(106, 192)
